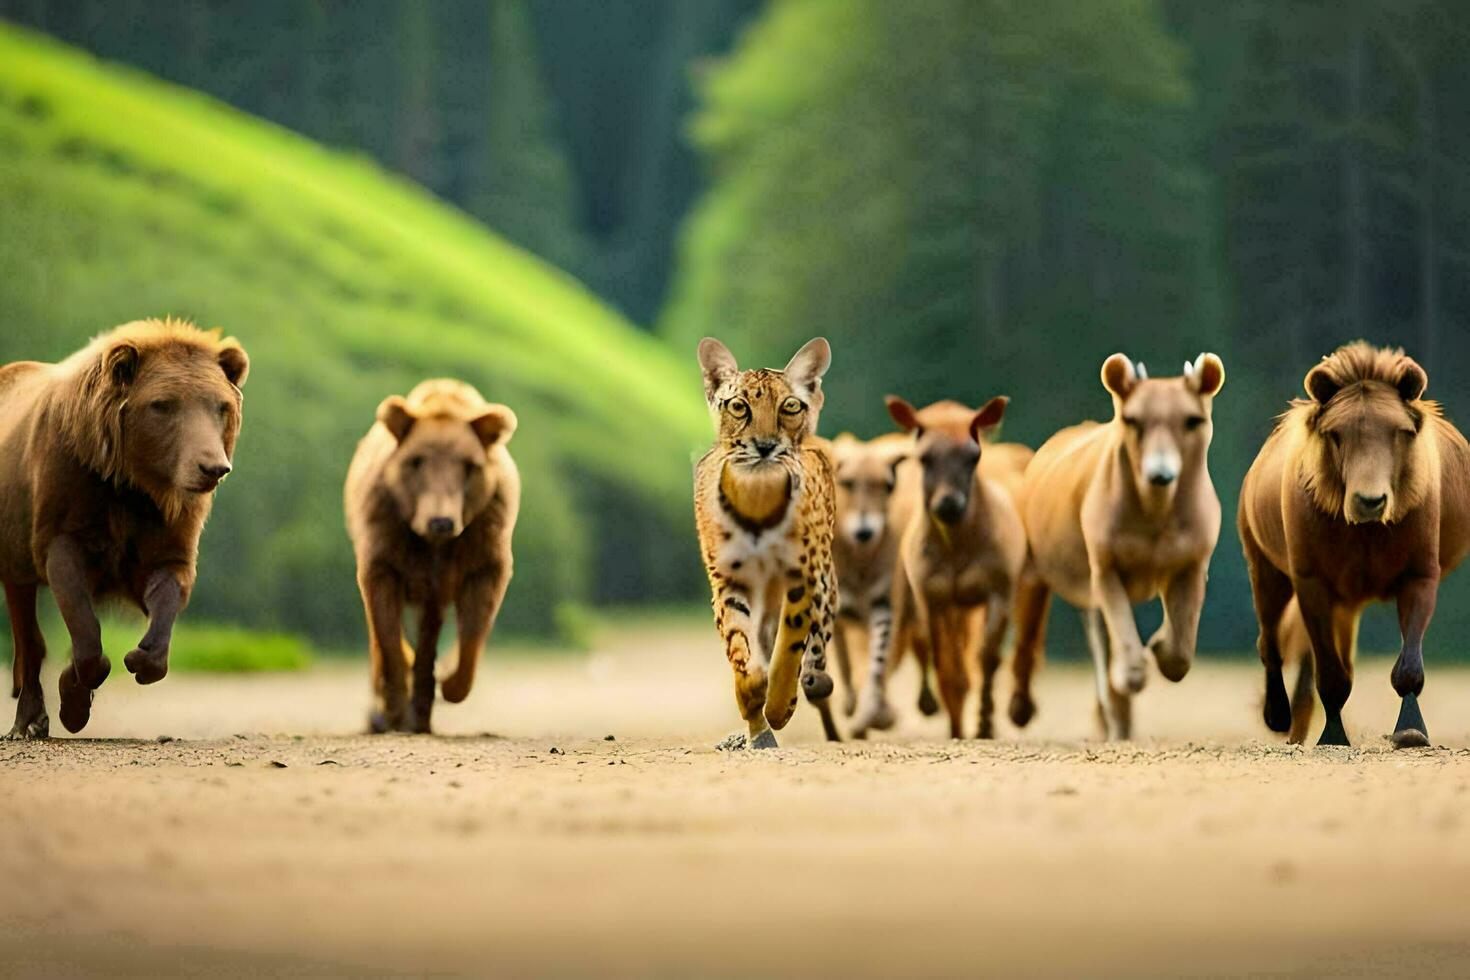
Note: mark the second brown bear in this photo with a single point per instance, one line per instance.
(431, 499)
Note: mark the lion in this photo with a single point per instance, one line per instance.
(109, 462)
(431, 499)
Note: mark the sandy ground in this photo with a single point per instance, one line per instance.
(265, 837)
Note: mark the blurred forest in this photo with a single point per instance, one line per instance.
(966, 196)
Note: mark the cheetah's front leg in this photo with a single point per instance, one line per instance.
(789, 649)
(736, 626)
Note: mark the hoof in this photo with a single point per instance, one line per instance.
(849, 703)
(1171, 665)
(1411, 719)
(378, 723)
(928, 703)
(1333, 733)
(1022, 710)
(765, 740)
(873, 717)
(1278, 707)
(76, 696)
(415, 722)
(1409, 738)
(147, 666)
(986, 730)
(1128, 678)
(817, 685)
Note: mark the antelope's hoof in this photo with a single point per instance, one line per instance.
(1278, 706)
(1409, 738)
(928, 703)
(1022, 709)
(454, 690)
(765, 740)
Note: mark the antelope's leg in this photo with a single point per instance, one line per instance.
(1126, 668)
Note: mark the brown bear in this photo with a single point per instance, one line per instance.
(431, 499)
(108, 466)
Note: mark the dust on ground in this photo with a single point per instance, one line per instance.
(233, 825)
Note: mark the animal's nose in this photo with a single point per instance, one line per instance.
(1162, 478)
(1371, 505)
(215, 471)
(864, 534)
(441, 526)
(766, 446)
(950, 508)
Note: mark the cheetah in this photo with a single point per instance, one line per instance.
(765, 512)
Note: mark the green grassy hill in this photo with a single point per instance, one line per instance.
(121, 197)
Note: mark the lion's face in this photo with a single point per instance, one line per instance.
(181, 414)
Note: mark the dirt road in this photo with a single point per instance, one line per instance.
(264, 837)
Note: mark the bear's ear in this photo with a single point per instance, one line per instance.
(234, 362)
(395, 416)
(1412, 380)
(120, 364)
(496, 425)
(718, 365)
(989, 416)
(1119, 375)
(903, 413)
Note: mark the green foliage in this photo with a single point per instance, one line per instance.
(123, 197)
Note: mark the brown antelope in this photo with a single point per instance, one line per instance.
(877, 488)
(1361, 493)
(1121, 512)
(963, 553)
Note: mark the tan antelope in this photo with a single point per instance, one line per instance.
(963, 553)
(1121, 512)
(1362, 493)
(877, 488)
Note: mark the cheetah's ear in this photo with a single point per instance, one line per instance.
(718, 365)
(806, 367)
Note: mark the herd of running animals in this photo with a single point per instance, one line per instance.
(935, 539)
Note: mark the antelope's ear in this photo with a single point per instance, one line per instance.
(989, 416)
(1412, 380)
(234, 362)
(806, 367)
(120, 363)
(1119, 376)
(1320, 384)
(903, 413)
(1206, 375)
(496, 425)
(395, 416)
(718, 365)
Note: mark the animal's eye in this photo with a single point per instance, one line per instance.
(163, 406)
(738, 407)
(415, 462)
(224, 409)
(848, 485)
(1336, 438)
(1134, 425)
(791, 406)
(470, 468)
(1194, 422)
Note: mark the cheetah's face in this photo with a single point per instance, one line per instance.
(762, 417)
